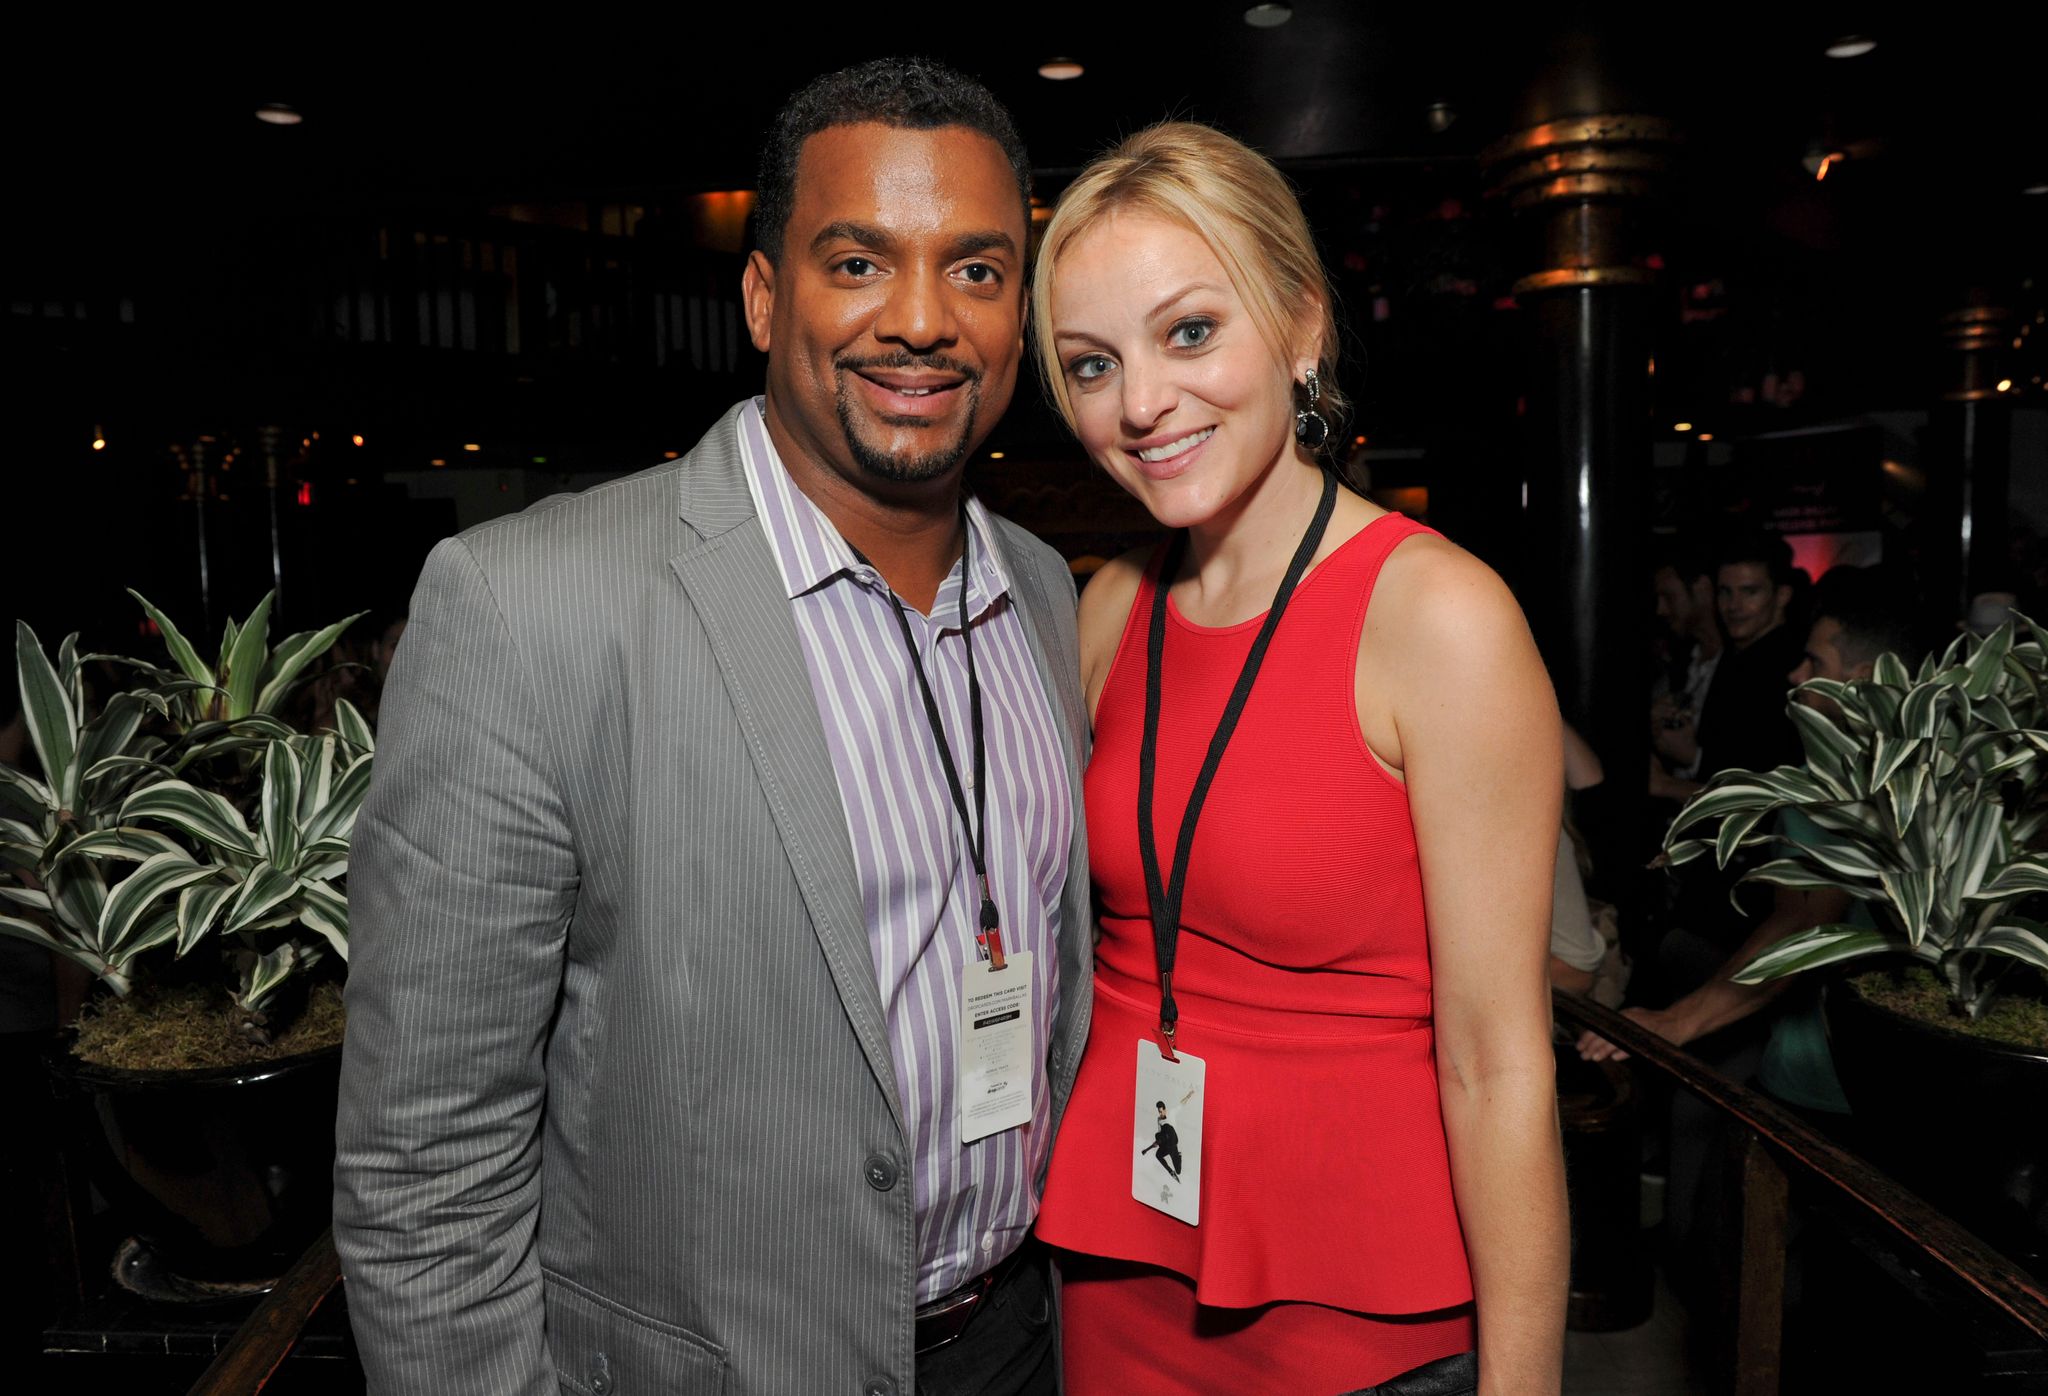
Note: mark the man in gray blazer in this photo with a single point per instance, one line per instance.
(721, 914)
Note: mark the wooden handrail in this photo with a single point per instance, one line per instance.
(252, 1356)
(1969, 1261)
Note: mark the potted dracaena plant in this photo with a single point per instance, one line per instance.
(188, 847)
(1930, 789)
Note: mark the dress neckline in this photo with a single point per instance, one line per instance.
(1173, 610)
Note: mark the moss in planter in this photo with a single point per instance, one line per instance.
(2013, 1020)
(191, 1027)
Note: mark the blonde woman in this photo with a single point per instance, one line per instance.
(1323, 809)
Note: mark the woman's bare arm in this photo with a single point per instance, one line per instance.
(1447, 658)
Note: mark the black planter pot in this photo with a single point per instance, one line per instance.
(223, 1175)
(1961, 1121)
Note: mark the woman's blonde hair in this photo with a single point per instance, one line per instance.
(1231, 197)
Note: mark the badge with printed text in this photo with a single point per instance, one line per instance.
(1166, 1133)
(998, 1059)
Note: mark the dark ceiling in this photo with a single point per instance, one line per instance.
(1950, 96)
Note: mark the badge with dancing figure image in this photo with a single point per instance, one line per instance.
(1166, 1143)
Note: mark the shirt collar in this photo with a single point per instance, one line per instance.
(809, 551)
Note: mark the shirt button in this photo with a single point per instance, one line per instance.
(988, 1240)
(881, 1170)
(879, 1386)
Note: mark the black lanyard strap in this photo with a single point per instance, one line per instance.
(1165, 896)
(990, 937)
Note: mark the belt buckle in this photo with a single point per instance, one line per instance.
(954, 1311)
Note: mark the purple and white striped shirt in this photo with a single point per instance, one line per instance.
(917, 883)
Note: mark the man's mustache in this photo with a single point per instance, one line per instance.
(937, 363)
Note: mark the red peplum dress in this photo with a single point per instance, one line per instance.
(1329, 1254)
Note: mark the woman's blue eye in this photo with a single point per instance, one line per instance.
(1090, 366)
(1190, 334)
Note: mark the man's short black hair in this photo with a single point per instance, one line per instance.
(1685, 557)
(1875, 611)
(915, 93)
(1767, 550)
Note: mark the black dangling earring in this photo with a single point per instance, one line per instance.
(1311, 428)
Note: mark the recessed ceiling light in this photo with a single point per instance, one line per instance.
(2035, 189)
(1851, 46)
(1060, 69)
(1268, 16)
(1441, 115)
(278, 114)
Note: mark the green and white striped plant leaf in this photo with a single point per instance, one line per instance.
(260, 894)
(136, 897)
(337, 818)
(1986, 664)
(263, 975)
(227, 650)
(1888, 754)
(278, 807)
(199, 908)
(1981, 845)
(114, 765)
(23, 792)
(242, 666)
(1911, 891)
(1684, 851)
(1920, 714)
(110, 733)
(2023, 941)
(1823, 945)
(1857, 820)
(2018, 878)
(69, 674)
(1903, 790)
(352, 727)
(1831, 753)
(78, 894)
(159, 927)
(182, 653)
(1740, 790)
(325, 910)
(291, 657)
(1790, 872)
(1734, 830)
(1843, 859)
(48, 712)
(324, 858)
(200, 813)
(34, 898)
(120, 844)
(316, 757)
(57, 945)
(1890, 672)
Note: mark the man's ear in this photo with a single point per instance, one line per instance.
(1784, 593)
(757, 292)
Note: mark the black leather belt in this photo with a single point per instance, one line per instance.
(944, 1319)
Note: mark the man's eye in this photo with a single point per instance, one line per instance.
(1090, 366)
(979, 273)
(1190, 334)
(856, 266)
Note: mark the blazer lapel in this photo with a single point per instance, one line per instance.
(733, 583)
(1059, 671)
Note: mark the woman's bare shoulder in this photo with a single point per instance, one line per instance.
(1105, 607)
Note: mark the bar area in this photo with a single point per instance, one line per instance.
(514, 875)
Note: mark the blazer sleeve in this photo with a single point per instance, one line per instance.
(462, 882)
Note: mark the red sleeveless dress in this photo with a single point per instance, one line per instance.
(1303, 980)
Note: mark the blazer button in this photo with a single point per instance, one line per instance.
(881, 1177)
(879, 1386)
(601, 1377)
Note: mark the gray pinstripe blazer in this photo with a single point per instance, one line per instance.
(616, 1095)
